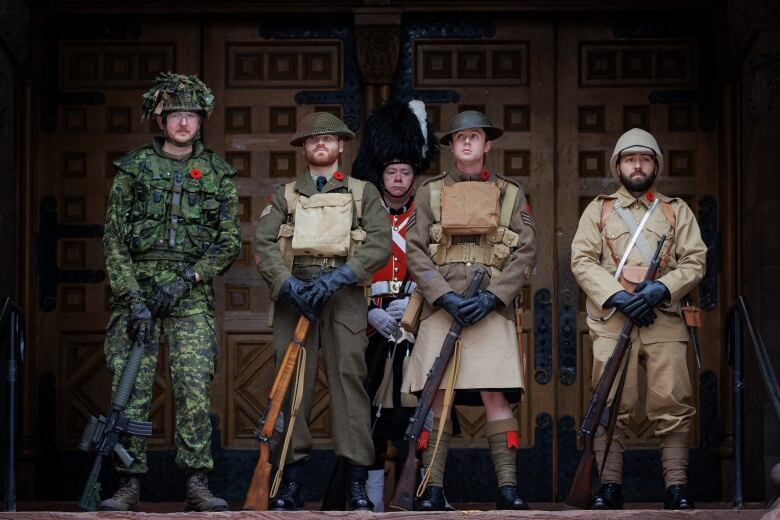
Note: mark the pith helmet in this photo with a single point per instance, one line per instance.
(320, 123)
(395, 133)
(471, 119)
(636, 140)
(177, 92)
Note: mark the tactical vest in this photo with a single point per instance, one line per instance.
(493, 249)
(357, 234)
(175, 213)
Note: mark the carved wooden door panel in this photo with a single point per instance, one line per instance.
(606, 86)
(261, 82)
(90, 114)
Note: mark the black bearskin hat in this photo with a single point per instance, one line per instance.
(395, 133)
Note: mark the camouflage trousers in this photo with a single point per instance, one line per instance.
(192, 346)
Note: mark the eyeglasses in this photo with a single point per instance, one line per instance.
(178, 117)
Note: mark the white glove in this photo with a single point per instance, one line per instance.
(397, 308)
(382, 322)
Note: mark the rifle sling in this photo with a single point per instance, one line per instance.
(449, 394)
(295, 406)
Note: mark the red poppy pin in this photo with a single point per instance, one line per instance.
(338, 176)
(650, 196)
(196, 173)
(484, 175)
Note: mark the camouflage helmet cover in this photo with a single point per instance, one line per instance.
(636, 140)
(471, 119)
(177, 92)
(320, 123)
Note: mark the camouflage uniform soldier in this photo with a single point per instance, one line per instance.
(467, 219)
(171, 227)
(611, 275)
(316, 245)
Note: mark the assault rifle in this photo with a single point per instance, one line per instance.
(272, 420)
(403, 498)
(581, 492)
(103, 433)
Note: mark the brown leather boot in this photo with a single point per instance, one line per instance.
(199, 498)
(126, 498)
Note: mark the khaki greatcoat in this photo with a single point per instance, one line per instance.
(489, 354)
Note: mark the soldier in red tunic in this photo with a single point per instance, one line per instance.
(398, 144)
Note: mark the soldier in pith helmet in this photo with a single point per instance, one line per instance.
(612, 248)
(171, 226)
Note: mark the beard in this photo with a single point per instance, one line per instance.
(638, 185)
(314, 159)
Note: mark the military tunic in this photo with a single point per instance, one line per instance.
(339, 336)
(141, 253)
(662, 346)
(489, 357)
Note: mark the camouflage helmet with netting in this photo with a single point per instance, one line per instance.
(173, 92)
(320, 123)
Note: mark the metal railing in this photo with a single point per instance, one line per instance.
(12, 322)
(738, 316)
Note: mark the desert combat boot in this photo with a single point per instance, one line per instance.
(199, 498)
(126, 498)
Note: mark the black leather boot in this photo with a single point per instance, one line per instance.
(289, 498)
(610, 496)
(677, 498)
(508, 498)
(432, 499)
(357, 498)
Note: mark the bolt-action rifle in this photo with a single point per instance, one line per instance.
(403, 498)
(272, 420)
(581, 492)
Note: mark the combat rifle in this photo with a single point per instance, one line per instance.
(581, 492)
(259, 488)
(103, 433)
(403, 498)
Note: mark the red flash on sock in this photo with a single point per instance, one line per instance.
(422, 443)
(512, 440)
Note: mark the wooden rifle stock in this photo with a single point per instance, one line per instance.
(403, 497)
(259, 488)
(581, 492)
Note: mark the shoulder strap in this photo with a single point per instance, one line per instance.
(291, 196)
(436, 187)
(607, 205)
(668, 212)
(508, 204)
(356, 187)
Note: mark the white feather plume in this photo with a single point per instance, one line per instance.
(418, 109)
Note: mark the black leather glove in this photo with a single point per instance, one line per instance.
(164, 299)
(140, 321)
(326, 285)
(451, 302)
(654, 292)
(633, 307)
(478, 306)
(292, 291)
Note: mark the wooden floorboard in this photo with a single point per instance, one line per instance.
(552, 511)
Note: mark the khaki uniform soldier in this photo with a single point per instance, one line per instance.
(602, 248)
(171, 227)
(467, 219)
(316, 245)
